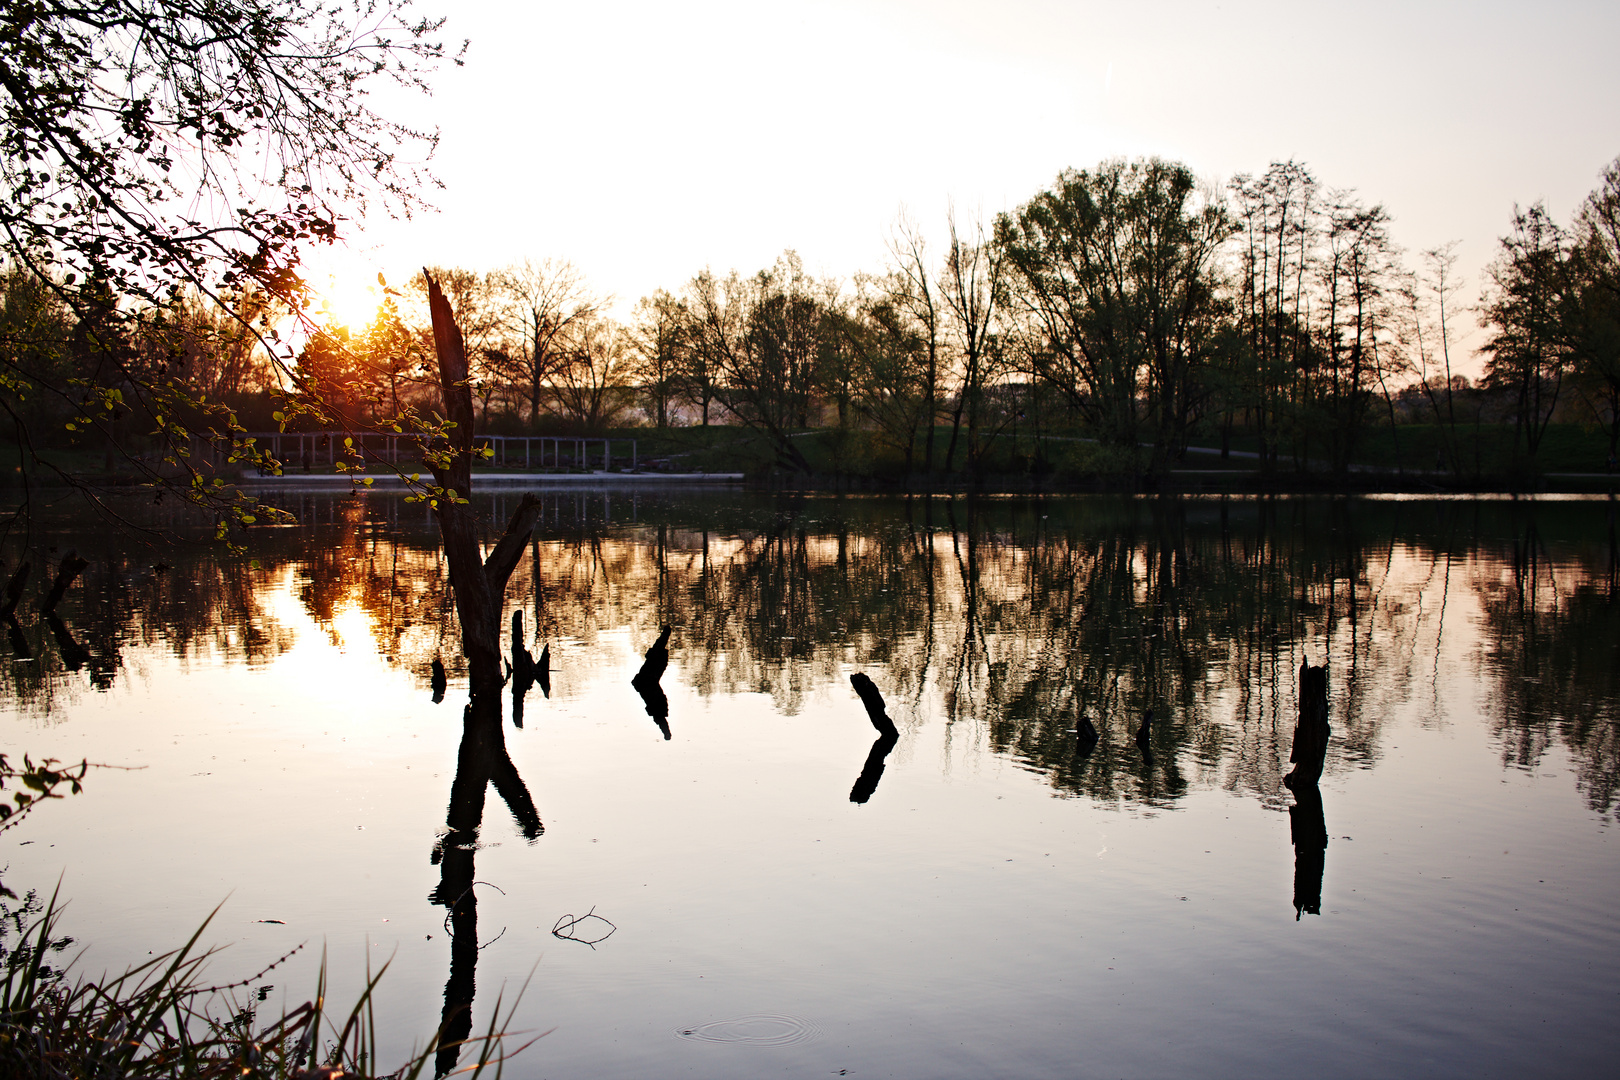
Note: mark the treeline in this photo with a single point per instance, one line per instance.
(1129, 305)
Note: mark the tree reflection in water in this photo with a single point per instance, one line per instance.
(481, 761)
(1307, 823)
(888, 736)
(646, 682)
(1007, 619)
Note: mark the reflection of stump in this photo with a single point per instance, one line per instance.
(481, 761)
(1085, 735)
(1144, 739)
(19, 643)
(522, 668)
(646, 682)
(1307, 826)
(1311, 733)
(74, 656)
(522, 659)
(657, 702)
(866, 784)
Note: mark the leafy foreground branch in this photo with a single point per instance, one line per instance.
(161, 1020)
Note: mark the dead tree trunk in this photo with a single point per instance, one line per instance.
(1311, 733)
(479, 583)
(72, 566)
(1307, 824)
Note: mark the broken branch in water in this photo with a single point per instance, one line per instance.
(566, 928)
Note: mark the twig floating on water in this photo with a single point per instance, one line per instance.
(567, 928)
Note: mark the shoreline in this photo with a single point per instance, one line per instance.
(391, 480)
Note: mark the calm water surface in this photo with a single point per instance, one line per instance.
(1000, 904)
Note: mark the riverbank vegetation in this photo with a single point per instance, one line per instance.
(1127, 324)
(164, 1019)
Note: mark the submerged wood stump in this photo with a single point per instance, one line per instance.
(873, 700)
(1312, 731)
(71, 567)
(1307, 825)
(646, 682)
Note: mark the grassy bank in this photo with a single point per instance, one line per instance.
(163, 1020)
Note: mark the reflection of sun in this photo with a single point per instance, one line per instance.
(347, 301)
(352, 627)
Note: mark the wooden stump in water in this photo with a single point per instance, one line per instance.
(873, 700)
(71, 567)
(1312, 731)
(656, 660)
(1307, 825)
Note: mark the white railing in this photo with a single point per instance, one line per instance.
(307, 449)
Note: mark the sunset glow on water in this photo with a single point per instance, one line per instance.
(1000, 904)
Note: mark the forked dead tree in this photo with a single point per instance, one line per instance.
(479, 582)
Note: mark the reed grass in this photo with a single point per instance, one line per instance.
(161, 1019)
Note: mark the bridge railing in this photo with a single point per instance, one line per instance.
(309, 449)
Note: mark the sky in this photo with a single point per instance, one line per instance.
(645, 141)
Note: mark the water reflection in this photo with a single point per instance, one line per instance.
(888, 737)
(1040, 629)
(521, 669)
(1549, 635)
(646, 682)
(1307, 824)
(438, 681)
(74, 656)
(481, 761)
(18, 640)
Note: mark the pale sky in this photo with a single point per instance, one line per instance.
(645, 141)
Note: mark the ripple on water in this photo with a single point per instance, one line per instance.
(765, 1029)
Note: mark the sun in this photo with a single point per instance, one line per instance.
(347, 301)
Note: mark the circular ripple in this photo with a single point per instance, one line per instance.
(766, 1029)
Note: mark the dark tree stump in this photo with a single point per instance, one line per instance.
(1311, 733)
(71, 567)
(873, 700)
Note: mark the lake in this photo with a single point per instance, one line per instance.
(759, 883)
